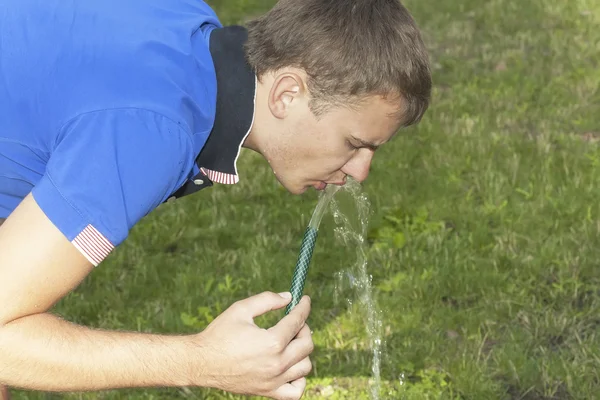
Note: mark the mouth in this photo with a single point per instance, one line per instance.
(320, 186)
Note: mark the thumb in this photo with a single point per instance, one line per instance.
(264, 302)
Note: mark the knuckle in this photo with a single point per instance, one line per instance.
(308, 304)
(266, 386)
(299, 326)
(277, 344)
(273, 368)
(269, 296)
(306, 331)
(276, 368)
(237, 306)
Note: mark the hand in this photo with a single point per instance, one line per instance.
(245, 359)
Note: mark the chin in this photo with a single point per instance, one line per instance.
(298, 190)
(295, 189)
(292, 188)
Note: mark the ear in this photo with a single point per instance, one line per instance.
(287, 91)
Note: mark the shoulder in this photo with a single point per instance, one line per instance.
(82, 56)
(109, 169)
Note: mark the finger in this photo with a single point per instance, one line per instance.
(291, 391)
(298, 370)
(291, 324)
(304, 332)
(299, 383)
(298, 350)
(262, 303)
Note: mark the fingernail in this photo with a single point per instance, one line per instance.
(286, 295)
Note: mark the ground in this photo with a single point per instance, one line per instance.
(484, 237)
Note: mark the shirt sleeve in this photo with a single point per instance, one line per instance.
(107, 171)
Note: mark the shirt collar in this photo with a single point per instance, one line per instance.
(236, 95)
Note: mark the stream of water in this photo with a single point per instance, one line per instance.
(351, 229)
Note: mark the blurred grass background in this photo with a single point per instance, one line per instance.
(484, 230)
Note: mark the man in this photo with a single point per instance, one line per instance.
(109, 108)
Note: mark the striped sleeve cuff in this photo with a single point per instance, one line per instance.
(78, 229)
(93, 245)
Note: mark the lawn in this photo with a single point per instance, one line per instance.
(484, 244)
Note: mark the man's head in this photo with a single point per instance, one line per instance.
(336, 79)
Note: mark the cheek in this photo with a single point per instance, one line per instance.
(334, 158)
(324, 147)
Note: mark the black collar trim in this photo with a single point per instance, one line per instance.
(236, 97)
(235, 106)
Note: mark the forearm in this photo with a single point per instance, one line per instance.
(43, 352)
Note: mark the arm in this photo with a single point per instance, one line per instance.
(45, 252)
(42, 352)
(39, 351)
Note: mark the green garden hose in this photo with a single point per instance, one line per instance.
(307, 247)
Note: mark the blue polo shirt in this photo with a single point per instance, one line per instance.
(104, 107)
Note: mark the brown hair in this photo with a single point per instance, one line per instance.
(350, 49)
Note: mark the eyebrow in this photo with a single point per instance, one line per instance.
(365, 143)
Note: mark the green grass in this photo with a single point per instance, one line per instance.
(485, 227)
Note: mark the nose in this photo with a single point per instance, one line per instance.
(358, 167)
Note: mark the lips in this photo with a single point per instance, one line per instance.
(320, 186)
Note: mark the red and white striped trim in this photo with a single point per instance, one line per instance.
(220, 177)
(93, 245)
